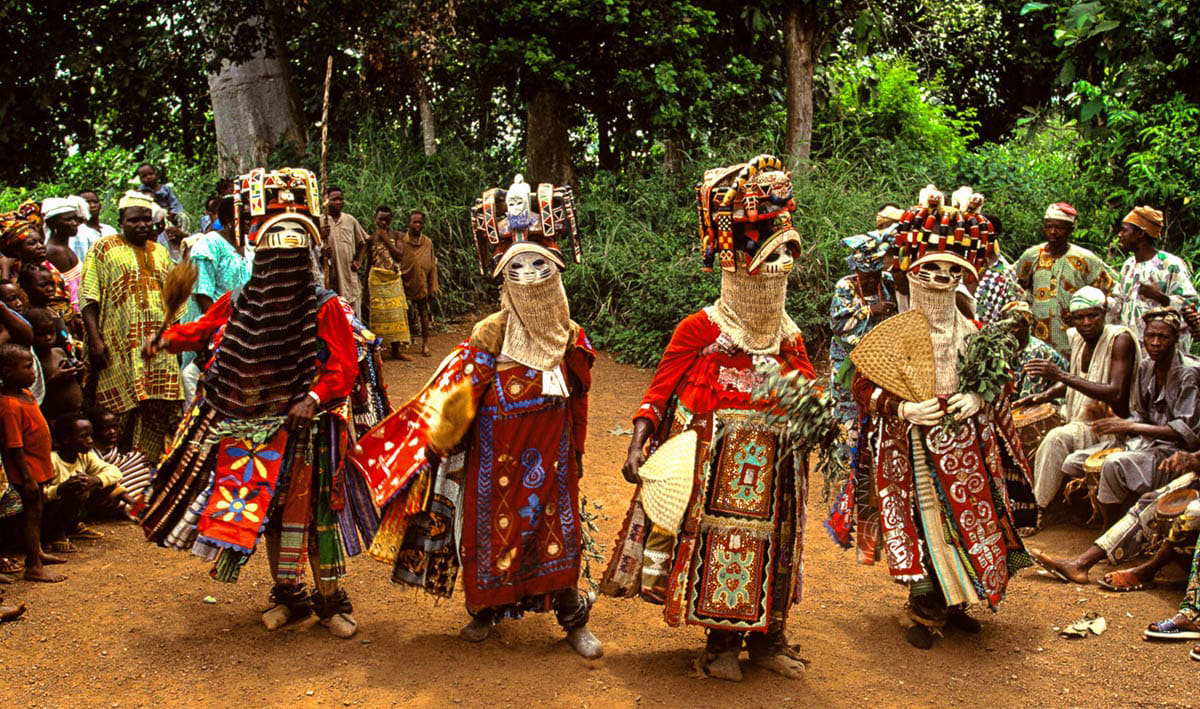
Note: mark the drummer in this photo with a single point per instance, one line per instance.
(1165, 419)
(1104, 363)
(1129, 538)
(1030, 348)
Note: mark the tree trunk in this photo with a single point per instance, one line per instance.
(801, 40)
(548, 140)
(255, 108)
(425, 107)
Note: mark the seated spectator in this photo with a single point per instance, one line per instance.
(63, 374)
(1164, 420)
(136, 470)
(1029, 349)
(1129, 538)
(1104, 362)
(1185, 624)
(26, 454)
(84, 485)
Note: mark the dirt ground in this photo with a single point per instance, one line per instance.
(130, 627)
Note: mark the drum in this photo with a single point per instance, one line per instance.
(1033, 423)
(1095, 463)
(1168, 511)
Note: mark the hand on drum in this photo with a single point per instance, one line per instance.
(1111, 425)
(922, 413)
(1181, 463)
(1044, 368)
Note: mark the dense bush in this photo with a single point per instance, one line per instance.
(641, 271)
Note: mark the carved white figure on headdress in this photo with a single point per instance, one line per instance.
(517, 206)
(931, 197)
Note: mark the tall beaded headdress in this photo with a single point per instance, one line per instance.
(745, 213)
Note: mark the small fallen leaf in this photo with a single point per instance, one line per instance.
(210, 599)
(619, 431)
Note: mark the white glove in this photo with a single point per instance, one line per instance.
(964, 406)
(922, 413)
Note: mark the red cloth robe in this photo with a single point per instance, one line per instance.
(737, 561)
(521, 538)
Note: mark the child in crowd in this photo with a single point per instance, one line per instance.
(63, 373)
(162, 194)
(26, 454)
(83, 485)
(12, 296)
(136, 469)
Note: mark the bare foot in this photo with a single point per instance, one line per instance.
(1064, 570)
(425, 351)
(52, 559)
(41, 575)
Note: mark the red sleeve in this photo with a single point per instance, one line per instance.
(195, 336)
(693, 334)
(335, 380)
(873, 399)
(796, 357)
(579, 368)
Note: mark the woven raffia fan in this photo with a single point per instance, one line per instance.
(898, 356)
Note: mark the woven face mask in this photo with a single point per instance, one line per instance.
(529, 268)
(939, 275)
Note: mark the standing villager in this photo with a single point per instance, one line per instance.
(121, 295)
(420, 273)
(1052, 271)
(724, 549)
(496, 440)
(930, 494)
(861, 301)
(345, 248)
(92, 228)
(23, 240)
(1150, 278)
(389, 307)
(220, 269)
(1103, 372)
(260, 452)
(62, 221)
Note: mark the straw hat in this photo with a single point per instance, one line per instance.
(898, 356)
(667, 480)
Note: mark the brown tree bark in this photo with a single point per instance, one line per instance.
(425, 108)
(548, 139)
(802, 38)
(255, 108)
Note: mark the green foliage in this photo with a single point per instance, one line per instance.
(884, 100)
(806, 409)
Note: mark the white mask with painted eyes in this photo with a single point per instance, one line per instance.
(938, 275)
(529, 268)
(780, 261)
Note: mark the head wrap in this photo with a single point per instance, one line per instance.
(1019, 307)
(888, 216)
(1148, 219)
(1088, 297)
(133, 198)
(19, 224)
(866, 252)
(1062, 212)
(1170, 316)
(56, 206)
(81, 207)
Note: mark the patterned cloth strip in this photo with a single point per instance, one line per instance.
(247, 473)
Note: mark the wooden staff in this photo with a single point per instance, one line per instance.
(325, 125)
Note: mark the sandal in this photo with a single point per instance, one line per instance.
(1195, 653)
(1046, 563)
(82, 531)
(1124, 581)
(62, 546)
(10, 566)
(1177, 627)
